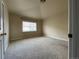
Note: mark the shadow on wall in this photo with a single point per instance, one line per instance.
(16, 27)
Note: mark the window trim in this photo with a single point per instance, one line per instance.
(30, 31)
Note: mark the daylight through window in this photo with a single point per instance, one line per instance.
(29, 26)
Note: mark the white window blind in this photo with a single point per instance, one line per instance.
(29, 26)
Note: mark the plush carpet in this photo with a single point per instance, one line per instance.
(38, 48)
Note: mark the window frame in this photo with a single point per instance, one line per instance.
(30, 22)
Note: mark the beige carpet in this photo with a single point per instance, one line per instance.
(38, 48)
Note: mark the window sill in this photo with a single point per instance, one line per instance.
(29, 31)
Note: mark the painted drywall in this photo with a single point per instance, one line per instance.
(55, 17)
(52, 11)
(56, 27)
(16, 27)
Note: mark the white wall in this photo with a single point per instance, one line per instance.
(55, 16)
(56, 27)
(16, 27)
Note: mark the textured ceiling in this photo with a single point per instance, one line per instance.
(33, 8)
(29, 8)
(53, 8)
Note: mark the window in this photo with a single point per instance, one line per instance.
(29, 26)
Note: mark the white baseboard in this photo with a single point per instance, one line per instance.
(58, 38)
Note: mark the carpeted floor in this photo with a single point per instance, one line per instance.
(38, 48)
